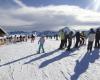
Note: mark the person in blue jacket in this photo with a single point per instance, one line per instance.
(41, 44)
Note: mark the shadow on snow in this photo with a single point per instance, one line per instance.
(82, 66)
(42, 56)
(8, 63)
(62, 55)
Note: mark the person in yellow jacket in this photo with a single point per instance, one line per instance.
(62, 36)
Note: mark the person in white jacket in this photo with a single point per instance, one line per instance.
(41, 44)
(91, 38)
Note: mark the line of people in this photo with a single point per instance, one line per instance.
(80, 39)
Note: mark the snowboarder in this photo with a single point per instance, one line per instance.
(91, 38)
(41, 44)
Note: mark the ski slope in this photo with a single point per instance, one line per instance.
(20, 61)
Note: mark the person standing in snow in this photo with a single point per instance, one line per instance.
(62, 36)
(91, 38)
(66, 39)
(77, 35)
(97, 39)
(56, 36)
(82, 38)
(41, 44)
(15, 39)
(70, 36)
(32, 38)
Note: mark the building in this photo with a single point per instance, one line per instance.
(2, 32)
(2, 38)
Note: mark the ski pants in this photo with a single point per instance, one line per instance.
(62, 44)
(90, 44)
(69, 44)
(41, 47)
(77, 43)
(97, 43)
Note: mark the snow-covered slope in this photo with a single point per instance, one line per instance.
(20, 62)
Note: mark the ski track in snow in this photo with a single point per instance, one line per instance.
(20, 62)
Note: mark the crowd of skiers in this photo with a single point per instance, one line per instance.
(19, 38)
(67, 38)
(80, 39)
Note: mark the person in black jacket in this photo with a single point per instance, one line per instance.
(62, 36)
(32, 38)
(66, 39)
(97, 39)
(77, 35)
(70, 36)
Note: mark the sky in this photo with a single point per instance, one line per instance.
(41, 15)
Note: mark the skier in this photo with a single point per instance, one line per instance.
(56, 36)
(82, 38)
(91, 38)
(32, 38)
(41, 44)
(62, 39)
(70, 36)
(15, 39)
(97, 39)
(77, 39)
(20, 38)
(66, 39)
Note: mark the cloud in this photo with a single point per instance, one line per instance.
(52, 17)
(94, 5)
(6, 4)
(19, 3)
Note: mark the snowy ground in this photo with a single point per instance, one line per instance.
(20, 62)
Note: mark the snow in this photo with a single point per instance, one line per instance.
(20, 61)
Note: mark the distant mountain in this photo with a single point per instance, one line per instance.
(17, 32)
(45, 33)
(37, 33)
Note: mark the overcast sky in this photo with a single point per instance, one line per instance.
(49, 14)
